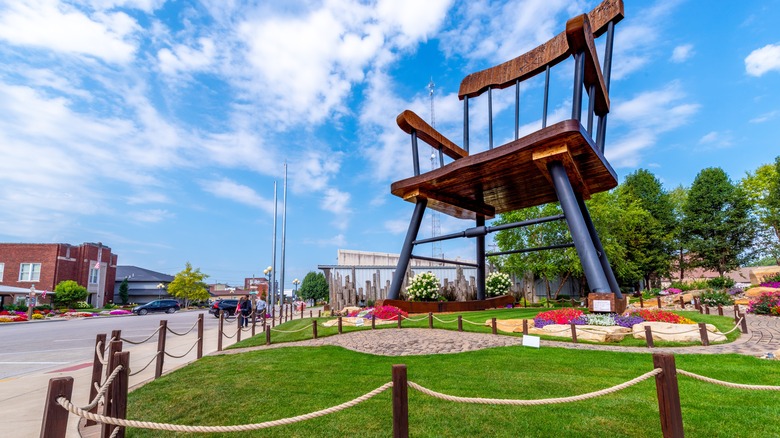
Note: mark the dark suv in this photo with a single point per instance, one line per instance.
(167, 306)
(227, 306)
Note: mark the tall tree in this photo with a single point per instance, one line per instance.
(718, 225)
(123, 287)
(763, 191)
(314, 287)
(188, 284)
(650, 245)
(678, 198)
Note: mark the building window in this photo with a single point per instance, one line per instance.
(2, 268)
(93, 275)
(30, 272)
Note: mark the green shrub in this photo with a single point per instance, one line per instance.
(721, 283)
(424, 287)
(497, 284)
(69, 292)
(715, 298)
(81, 305)
(42, 307)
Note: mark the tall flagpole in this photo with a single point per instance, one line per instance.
(273, 261)
(284, 231)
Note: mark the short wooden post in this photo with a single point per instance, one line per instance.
(701, 309)
(108, 401)
(720, 310)
(267, 333)
(460, 323)
(493, 327)
(658, 299)
(525, 326)
(668, 396)
(200, 336)
(400, 402)
(116, 335)
(682, 302)
(736, 315)
(707, 309)
(301, 311)
(340, 325)
(254, 321)
(649, 336)
(119, 390)
(97, 371)
(430, 320)
(400, 317)
(744, 322)
(314, 329)
(373, 322)
(273, 318)
(158, 368)
(310, 314)
(55, 417)
(319, 313)
(573, 332)
(705, 339)
(220, 330)
(641, 302)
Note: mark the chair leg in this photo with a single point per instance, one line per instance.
(480, 260)
(589, 258)
(406, 252)
(613, 284)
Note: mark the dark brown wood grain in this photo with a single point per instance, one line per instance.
(580, 38)
(408, 121)
(506, 178)
(55, 417)
(533, 62)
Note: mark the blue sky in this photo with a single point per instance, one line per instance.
(159, 128)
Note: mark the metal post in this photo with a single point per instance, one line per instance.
(490, 118)
(546, 95)
(272, 277)
(668, 396)
(160, 348)
(594, 236)
(591, 104)
(400, 402)
(284, 234)
(597, 280)
(579, 75)
(55, 417)
(406, 250)
(200, 336)
(517, 109)
(465, 124)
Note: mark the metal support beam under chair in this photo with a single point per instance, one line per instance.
(613, 284)
(406, 251)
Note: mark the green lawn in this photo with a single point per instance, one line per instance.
(272, 384)
(723, 323)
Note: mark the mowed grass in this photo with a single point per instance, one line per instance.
(301, 328)
(272, 384)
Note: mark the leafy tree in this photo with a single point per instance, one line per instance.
(718, 225)
(69, 292)
(123, 292)
(314, 287)
(188, 284)
(650, 244)
(763, 191)
(678, 198)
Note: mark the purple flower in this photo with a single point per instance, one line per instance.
(628, 321)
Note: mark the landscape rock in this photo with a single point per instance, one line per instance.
(593, 333)
(510, 325)
(664, 331)
(754, 292)
(759, 275)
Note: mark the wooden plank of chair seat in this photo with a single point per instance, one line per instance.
(506, 177)
(452, 206)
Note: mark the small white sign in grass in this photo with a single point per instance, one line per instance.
(531, 341)
(359, 322)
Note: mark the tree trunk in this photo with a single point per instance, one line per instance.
(560, 285)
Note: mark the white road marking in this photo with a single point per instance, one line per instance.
(33, 363)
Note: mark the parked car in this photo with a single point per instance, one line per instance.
(228, 306)
(167, 306)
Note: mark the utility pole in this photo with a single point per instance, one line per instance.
(436, 251)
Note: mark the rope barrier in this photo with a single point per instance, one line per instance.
(141, 342)
(230, 337)
(100, 356)
(728, 384)
(182, 334)
(423, 318)
(68, 405)
(736, 326)
(145, 366)
(102, 390)
(443, 321)
(188, 351)
(290, 331)
(115, 432)
(473, 323)
(538, 402)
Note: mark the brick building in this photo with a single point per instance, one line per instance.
(44, 265)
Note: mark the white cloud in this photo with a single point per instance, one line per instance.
(765, 117)
(183, 58)
(682, 53)
(397, 226)
(763, 60)
(151, 216)
(228, 189)
(338, 241)
(61, 27)
(717, 139)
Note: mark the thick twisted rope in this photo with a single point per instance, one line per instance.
(472, 323)
(101, 391)
(65, 403)
(544, 401)
(101, 356)
(291, 331)
(146, 366)
(115, 432)
(141, 342)
(182, 334)
(736, 326)
(413, 319)
(728, 384)
(229, 336)
(188, 351)
(444, 321)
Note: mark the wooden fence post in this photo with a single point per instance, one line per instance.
(573, 332)
(705, 340)
(314, 328)
(400, 402)
(720, 310)
(119, 390)
(55, 417)
(400, 317)
(220, 330)
(339, 325)
(200, 336)
(373, 322)
(493, 328)
(319, 313)
(267, 333)
(525, 326)
(658, 299)
(744, 322)
(108, 401)
(682, 302)
(239, 324)
(460, 323)
(641, 302)
(707, 309)
(649, 336)
(430, 320)
(254, 321)
(301, 311)
(160, 348)
(97, 371)
(668, 396)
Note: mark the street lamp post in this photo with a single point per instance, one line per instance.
(160, 288)
(296, 282)
(269, 299)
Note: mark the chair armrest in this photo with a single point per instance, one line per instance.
(410, 122)
(580, 38)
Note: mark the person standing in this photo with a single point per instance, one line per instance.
(245, 307)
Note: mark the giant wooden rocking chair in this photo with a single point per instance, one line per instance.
(561, 162)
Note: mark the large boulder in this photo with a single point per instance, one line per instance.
(593, 333)
(509, 325)
(664, 331)
(760, 274)
(754, 292)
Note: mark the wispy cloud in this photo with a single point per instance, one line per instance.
(717, 139)
(763, 60)
(765, 117)
(228, 189)
(682, 53)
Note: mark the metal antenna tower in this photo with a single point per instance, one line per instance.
(435, 224)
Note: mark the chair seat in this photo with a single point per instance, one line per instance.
(512, 176)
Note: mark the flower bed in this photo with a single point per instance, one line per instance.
(574, 316)
(119, 312)
(381, 312)
(6, 316)
(655, 315)
(768, 303)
